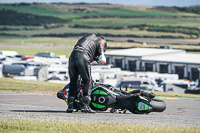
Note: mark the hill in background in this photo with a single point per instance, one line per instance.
(118, 21)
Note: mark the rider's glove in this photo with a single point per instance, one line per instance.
(102, 59)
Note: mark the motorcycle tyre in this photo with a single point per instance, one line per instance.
(158, 105)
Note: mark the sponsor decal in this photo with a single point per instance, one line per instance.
(143, 106)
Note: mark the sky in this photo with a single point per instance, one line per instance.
(179, 3)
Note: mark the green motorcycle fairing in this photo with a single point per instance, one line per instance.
(143, 106)
(102, 98)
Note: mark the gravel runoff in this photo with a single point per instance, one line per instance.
(47, 107)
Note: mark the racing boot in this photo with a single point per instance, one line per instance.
(85, 107)
(70, 104)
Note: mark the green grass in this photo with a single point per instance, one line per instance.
(52, 10)
(20, 26)
(115, 17)
(190, 52)
(65, 29)
(33, 10)
(168, 94)
(38, 41)
(123, 22)
(7, 126)
(8, 84)
(129, 13)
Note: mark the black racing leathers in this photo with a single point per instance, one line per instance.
(84, 52)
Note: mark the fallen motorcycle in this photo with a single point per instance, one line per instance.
(104, 96)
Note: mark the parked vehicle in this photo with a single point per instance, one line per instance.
(45, 54)
(9, 70)
(21, 63)
(35, 64)
(21, 68)
(194, 85)
(47, 61)
(158, 77)
(8, 53)
(2, 57)
(19, 56)
(139, 83)
(1, 67)
(27, 57)
(62, 58)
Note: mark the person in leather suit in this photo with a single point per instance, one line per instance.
(87, 49)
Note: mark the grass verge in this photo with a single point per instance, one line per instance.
(72, 127)
(9, 84)
(167, 94)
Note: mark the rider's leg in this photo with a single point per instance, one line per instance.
(86, 77)
(86, 102)
(73, 73)
(72, 93)
(86, 97)
(70, 104)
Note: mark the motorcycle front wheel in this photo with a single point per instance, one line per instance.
(158, 105)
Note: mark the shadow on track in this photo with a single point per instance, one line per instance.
(43, 111)
(57, 111)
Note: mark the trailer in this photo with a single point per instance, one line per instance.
(175, 86)
(8, 53)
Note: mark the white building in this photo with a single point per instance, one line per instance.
(156, 60)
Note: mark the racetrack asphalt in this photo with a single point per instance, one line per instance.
(48, 107)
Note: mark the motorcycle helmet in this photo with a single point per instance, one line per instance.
(103, 42)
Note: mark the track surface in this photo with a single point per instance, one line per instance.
(47, 107)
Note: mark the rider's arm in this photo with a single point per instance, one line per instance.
(101, 59)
